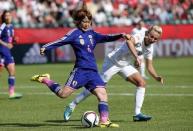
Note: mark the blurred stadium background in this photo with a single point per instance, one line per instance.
(40, 21)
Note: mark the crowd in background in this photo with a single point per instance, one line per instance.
(57, 13)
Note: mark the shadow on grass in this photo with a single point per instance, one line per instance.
(32, 125)
(61, 121)
(74, 123)
(21, 125)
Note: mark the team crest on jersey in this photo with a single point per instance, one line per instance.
(74, 83)
(81, 40)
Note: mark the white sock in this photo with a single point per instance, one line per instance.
(139, 97)
(142, 69)
(79, 98)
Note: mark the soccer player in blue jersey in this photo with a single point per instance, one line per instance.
(119, 61)
(83, 40)
(6, 43)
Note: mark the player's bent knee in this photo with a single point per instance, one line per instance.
(65, 92)
(61, 94)
(141, 83)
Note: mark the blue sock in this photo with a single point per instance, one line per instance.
(55, 87)
(11, 81)
(103, 111)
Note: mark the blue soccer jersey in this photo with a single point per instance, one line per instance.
(83, 44)
(6, 35)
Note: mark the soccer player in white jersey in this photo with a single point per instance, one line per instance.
(140, 28)
(119, 61)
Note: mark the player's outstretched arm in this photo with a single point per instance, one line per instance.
(131, 45)
(152, 72)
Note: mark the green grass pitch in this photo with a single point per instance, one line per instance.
(170, 105)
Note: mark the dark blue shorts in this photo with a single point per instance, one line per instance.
(89, 79)
(6, 58)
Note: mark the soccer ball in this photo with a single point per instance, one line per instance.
(90, 119)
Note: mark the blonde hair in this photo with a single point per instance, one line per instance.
(156, 28)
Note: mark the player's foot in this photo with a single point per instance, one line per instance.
(15, 96)
(39, 78)
(108, 124)
(68, 112)
(141, 117)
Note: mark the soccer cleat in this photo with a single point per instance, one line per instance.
(15, 96)
(68, 112)
(108, 124)
(141, 117)
(39, 78)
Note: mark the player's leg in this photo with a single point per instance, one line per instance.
(10, 67)
(74, 82)
(132, 75)
(78, 99)
(108, 71)
(103, 108)
(139, 97)
(97, 87)
(62, 92)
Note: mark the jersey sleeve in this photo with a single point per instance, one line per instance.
(2, 28)
(100, 38)
(67, 39)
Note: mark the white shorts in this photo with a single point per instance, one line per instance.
(110, 69)
(141, 57)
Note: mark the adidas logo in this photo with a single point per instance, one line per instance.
(33, 55)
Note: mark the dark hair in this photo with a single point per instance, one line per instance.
(3, 16)
(80, 14)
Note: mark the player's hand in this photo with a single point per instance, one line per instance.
(160, 79)
(126, 36)
(42, 51)
(137, 62)
(9, 45)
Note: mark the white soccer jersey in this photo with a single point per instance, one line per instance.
(122, 56)
(139, 31)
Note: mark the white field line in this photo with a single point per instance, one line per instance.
(120, 86)
(110, 94)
